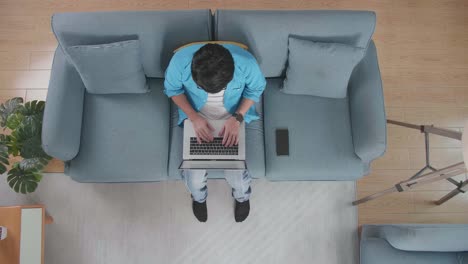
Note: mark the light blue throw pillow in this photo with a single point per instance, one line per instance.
(112, 68)
(320, 69)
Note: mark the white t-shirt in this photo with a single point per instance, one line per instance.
(214, 107)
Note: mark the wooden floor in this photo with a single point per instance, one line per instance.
(423, 53)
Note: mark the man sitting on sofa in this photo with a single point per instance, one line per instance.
(212, 81)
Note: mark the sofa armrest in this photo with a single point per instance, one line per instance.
(366, 102)
(420, 237)
(61, 128)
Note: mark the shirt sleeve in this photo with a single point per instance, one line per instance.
(173, 78)
(254, 81)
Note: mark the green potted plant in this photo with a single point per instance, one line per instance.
(22, 127)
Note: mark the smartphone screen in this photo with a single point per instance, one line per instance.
(282, 142)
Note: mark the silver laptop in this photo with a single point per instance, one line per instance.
(212, 155)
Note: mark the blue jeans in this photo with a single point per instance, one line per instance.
(239, 180)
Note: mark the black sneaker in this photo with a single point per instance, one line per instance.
(241, 211)
(200, 211)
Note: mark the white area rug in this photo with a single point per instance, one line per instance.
(290, 222)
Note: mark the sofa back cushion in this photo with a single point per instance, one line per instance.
(110, 68)
(266, 32)
(159, 32)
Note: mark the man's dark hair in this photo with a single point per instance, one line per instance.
(212, 67)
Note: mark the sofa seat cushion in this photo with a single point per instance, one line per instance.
(379, 251)
(255, 149)
(124, 137)
(320, 139)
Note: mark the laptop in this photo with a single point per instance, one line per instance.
(212, 155)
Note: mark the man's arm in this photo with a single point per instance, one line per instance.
(254, 85)
(182, 102)
(244, 106)
(230, 130)
(203, 129)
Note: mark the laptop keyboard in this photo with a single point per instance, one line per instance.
(211, 148)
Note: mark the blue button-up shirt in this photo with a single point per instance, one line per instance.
(247, 82)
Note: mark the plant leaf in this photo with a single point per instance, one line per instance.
(37, 163)
(13, 144)
(3, 168)
(38, 176)
(25, 121)
(3, 158)
(33, 111)
(24, 181)
(12, 182)
(33, 107)
(4, 138)
(31, 148)
(31, 187)
(14, 120)
(9, 107)
(27, 140)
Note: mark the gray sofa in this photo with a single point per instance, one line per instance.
(134, 137)
(414, 244)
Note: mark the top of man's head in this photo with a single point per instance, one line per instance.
(212, 67)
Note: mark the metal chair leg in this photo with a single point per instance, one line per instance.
(444, 173)
(435, 175)
(461, 189)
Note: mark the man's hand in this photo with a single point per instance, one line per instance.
(203, 129)
(230, 132)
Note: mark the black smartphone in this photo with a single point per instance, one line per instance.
(282, 142)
